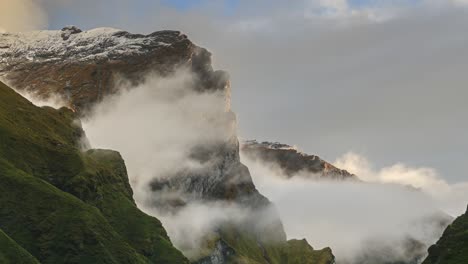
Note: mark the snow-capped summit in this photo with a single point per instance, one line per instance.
(81, 66)
(71, 43)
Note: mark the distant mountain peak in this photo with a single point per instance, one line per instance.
(292, 161)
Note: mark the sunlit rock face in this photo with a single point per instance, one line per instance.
(81, 66)
(292, 162)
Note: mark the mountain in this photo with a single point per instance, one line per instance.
(84, 68)
(293, 162)
(62, 205)
(452, 247)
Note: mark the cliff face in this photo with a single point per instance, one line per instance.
(81, 66)
(84, 67)
(62, 205)
(292, 162)
(452, 247)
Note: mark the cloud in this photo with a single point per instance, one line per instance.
(363, 222)
(342, 9)
(21, 15)
(52, 100)
(452, 198)
(192, 227)
(156, 126)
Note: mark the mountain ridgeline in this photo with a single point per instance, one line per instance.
(292, 162)
(64, 205)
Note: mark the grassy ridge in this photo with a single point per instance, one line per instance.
(66, 206)
(452, 247)
(11, 252)
(246, 248)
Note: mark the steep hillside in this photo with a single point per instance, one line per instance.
(452, 247)
(292, 162)
(237, 247)
(11, 252)
(65, 206)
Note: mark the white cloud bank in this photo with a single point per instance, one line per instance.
(452, 198)
(375, 220)
(155, 126)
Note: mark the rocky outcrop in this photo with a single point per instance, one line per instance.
(293, 162)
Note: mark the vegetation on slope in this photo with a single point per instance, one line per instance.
(66, 206)
(243, 247)
(11, 252)
(452, 247)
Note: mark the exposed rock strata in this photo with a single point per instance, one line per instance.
(293, 162)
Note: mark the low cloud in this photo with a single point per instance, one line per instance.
(155, 126)
(363, 222)
(452, 198)
(52, 100)
(195, 225)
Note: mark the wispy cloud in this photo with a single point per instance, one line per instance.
(363, 222)
(452, 198)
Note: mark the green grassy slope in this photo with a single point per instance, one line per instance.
(245, 248)
(12, 253)
(452, 247)
(300, 252)
(66, 206)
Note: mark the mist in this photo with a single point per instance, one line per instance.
(21, 15)
(452, 198)
(360, 221)
(155, 126)
(393, 214)
(53, 100)
(194, 227)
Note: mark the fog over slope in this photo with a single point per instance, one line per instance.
(391, 215)
(155, 126)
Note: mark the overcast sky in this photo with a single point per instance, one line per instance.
(386, 79)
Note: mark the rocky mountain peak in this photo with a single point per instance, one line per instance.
(82, 66)
(71, 43)
(69, 30)
(292, 161)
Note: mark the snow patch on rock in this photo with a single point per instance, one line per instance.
(73, 44)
